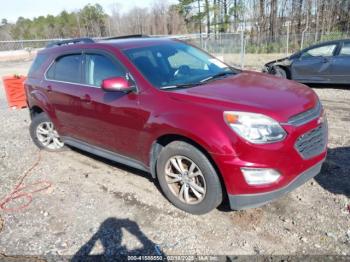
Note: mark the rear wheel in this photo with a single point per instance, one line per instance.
(188, 179)
(44, 134)
(279, 72)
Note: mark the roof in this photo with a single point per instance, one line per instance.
(128, 43)
(122, 43)
(328, 43)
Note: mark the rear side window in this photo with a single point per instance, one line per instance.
(66, 68)
(34, 71)
(99, 67)
(345, 51)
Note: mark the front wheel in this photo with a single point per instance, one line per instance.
(279, 72)
(188, 179)
(44, 133)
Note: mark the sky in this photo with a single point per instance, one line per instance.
(12, 9)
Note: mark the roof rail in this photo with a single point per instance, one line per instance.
(126, 36)
(70, 41)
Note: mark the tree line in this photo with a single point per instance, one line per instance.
(89, 21)
(261, 19)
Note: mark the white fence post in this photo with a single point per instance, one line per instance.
(287, 44)
(242, 49)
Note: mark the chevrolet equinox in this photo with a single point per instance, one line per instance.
(205, 130)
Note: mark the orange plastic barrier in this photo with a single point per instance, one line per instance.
(14, 87)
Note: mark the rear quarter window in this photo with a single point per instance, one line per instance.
(39, 61)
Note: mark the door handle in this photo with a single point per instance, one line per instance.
(85, 98)
(325, 60)
(49, 88)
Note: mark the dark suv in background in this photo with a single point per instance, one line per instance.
(205, 130)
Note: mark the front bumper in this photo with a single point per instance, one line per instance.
(244, 201)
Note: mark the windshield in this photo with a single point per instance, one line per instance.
(176, 64)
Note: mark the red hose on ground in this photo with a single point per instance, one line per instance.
(21, 190)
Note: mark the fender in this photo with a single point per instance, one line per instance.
(284, 62)
(184, 125)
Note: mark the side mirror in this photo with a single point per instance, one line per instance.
(117, 84)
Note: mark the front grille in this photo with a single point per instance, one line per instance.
(313, 142)
(307, 116)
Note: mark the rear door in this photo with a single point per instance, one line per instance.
(340, 68)
(63, 83)
(314, 64)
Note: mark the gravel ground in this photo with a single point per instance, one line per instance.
(96, 206)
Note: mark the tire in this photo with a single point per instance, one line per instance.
(202, 184)
(279, 72)
(44, 134)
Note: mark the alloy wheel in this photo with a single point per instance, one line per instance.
(185, 180)
(48, 136)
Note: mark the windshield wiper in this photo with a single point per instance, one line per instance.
(217, 76)
(188, 85)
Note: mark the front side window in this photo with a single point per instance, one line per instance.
(326, 50)
(66, 68)
(99, 67)
(176, 63)
(345, 50)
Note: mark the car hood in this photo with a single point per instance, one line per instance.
(284, 59)
(252, 92)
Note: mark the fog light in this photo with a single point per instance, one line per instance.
(260, 176)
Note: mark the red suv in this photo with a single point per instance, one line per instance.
(204, 130)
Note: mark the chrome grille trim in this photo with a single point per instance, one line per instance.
(307, 116)
(313, 142)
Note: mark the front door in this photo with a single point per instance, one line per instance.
(314, 65)
(111, 120)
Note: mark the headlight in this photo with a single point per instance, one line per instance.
(256, 128)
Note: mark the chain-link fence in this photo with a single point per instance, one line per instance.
(239, 49)
(288, 43)
(24, 44)
(252, 51)
(226, 46)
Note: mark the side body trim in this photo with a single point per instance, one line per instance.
(105, 153)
